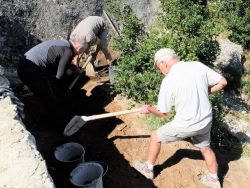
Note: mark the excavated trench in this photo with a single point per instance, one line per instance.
(93, 136)
(48, 129)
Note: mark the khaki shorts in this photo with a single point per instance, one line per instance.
(171, 133)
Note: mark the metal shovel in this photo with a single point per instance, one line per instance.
(78, 121)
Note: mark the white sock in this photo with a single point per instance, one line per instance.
(150, 166)
(214, 176)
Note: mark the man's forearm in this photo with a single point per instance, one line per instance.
(156, 112)
(219, 86)
(76, 60)
(107, 54)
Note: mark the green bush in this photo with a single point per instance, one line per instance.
(220, 136)
(190, 29)
(133, 28)
(237, 16)
(186, 28)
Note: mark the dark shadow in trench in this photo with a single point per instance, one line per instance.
(176, 158)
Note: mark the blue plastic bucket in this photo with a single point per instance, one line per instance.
(88, 175)
(69, 155)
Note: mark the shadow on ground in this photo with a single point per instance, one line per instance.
(224, 157)
(93, 136)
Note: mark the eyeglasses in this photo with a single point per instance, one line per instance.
(157, 63)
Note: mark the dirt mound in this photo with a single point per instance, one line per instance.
(179, 163)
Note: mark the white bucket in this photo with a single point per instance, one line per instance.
(70, 153)
(87, 175)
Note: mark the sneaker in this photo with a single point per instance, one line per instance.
(143, 169)
(208, 181)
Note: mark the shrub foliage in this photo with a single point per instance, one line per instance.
(237, 16)
(185, 27)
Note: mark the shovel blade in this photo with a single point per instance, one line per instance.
(74, 125)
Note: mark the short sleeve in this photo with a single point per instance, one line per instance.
(165, 97)
(212, 76)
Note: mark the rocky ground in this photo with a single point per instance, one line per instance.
(21, 164)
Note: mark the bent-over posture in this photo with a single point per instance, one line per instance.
(90, 31)
(43, 68)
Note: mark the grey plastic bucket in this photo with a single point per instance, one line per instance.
(113, 71)
(87, 175)
(69, 154)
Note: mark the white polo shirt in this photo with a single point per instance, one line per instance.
(186, 88)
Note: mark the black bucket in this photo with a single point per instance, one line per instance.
(113, 71)
(69, 155)
(88, 175)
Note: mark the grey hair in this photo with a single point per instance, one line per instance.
(165, 54)
(79, 41)
(169, 57)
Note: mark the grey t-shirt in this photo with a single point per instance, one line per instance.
(92, 27)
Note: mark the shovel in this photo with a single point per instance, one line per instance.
(87, 63)
(78, 121)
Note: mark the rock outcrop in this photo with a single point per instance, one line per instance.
(21, 165)
(230, 61)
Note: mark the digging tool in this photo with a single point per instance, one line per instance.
(111, 23)
(78, 75)
(78, 121)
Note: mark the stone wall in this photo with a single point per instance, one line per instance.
(145, 10)
(21, 165)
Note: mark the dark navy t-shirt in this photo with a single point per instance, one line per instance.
(53, 55)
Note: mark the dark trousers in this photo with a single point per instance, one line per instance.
(38, 82)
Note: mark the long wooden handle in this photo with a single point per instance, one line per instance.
(111, 23)
(111, 114)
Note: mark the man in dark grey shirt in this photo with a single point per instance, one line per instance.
(43, 68)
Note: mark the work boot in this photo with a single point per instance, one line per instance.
(143, 169)
(211, 182)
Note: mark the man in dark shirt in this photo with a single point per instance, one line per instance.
(43, 68)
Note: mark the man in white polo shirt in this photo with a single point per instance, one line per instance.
(186, 86)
